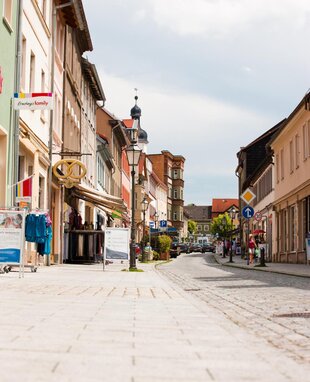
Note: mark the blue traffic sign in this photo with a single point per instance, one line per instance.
(163, 223)
(247, 212)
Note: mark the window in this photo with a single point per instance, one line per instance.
(8, 11)
(41, 191)
(32, 73)
(297, 151)
(175, 174)
(23, 64)
(43, 91)
(283, 231)
(308, 141)
(291, 157)
(175, 193)
(207, 228)
(282, 163)
(174, 216)
(304, 141)
(277, 168)
(292, 225)
(198, 227)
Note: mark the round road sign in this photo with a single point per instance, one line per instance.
(258, 216)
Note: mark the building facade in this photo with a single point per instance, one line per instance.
(291, 150)
(170, 170)
(8, 37)
(201, 215)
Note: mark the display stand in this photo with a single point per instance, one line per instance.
(12, 240)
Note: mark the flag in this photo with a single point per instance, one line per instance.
(24, 188)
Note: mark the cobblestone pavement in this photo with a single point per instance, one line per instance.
(272, 306)
(79, 324)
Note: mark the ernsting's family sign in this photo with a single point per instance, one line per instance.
(33, 101)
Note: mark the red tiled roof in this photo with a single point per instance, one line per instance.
(222, 205)
(128, 123)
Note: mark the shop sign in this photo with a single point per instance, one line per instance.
(71, 171)
(33, 101)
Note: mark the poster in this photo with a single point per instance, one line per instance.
(116, 245)
(12, 225)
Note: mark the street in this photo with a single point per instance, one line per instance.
(186, 320)
(252, 300)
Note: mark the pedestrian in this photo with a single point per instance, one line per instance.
(251, 248)
(233, 246)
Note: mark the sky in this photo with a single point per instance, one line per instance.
(212, 76)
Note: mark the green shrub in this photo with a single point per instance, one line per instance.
(156, 256)
(164, 243)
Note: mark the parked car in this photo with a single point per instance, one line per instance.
(175, 249)
(184, 247)
(208, 247)
(195, 247)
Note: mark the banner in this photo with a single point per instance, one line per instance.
(12, 226)
(116, 243)
(33, 101)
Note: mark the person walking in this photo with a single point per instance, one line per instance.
(251, 248)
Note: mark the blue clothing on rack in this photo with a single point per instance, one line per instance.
(45, 248)
(36, 230)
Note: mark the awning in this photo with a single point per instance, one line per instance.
(107, 202)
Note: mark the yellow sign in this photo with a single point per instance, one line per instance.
(72, 171)
(248, 196)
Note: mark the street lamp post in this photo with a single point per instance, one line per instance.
(224, 222)
(145, 205)
(232, 215)
(133, 155)
(156, 233)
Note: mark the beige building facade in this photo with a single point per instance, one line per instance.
(291, 148)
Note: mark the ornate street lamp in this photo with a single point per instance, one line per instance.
(133, 155)
(145, 205)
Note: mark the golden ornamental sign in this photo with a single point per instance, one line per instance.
(71, 172)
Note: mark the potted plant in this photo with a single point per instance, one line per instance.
(164, 243)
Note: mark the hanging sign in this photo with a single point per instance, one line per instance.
(12, 228)
(71, 171)
(33, 101)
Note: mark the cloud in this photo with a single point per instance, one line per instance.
(226, 18)
(212, 74)
(207, 132)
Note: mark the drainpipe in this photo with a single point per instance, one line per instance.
(17, 89)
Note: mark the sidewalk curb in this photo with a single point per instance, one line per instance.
(240, 266)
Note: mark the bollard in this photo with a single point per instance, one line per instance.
(262, 257)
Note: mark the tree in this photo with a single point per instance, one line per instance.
(221, 225)
(192, 227)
